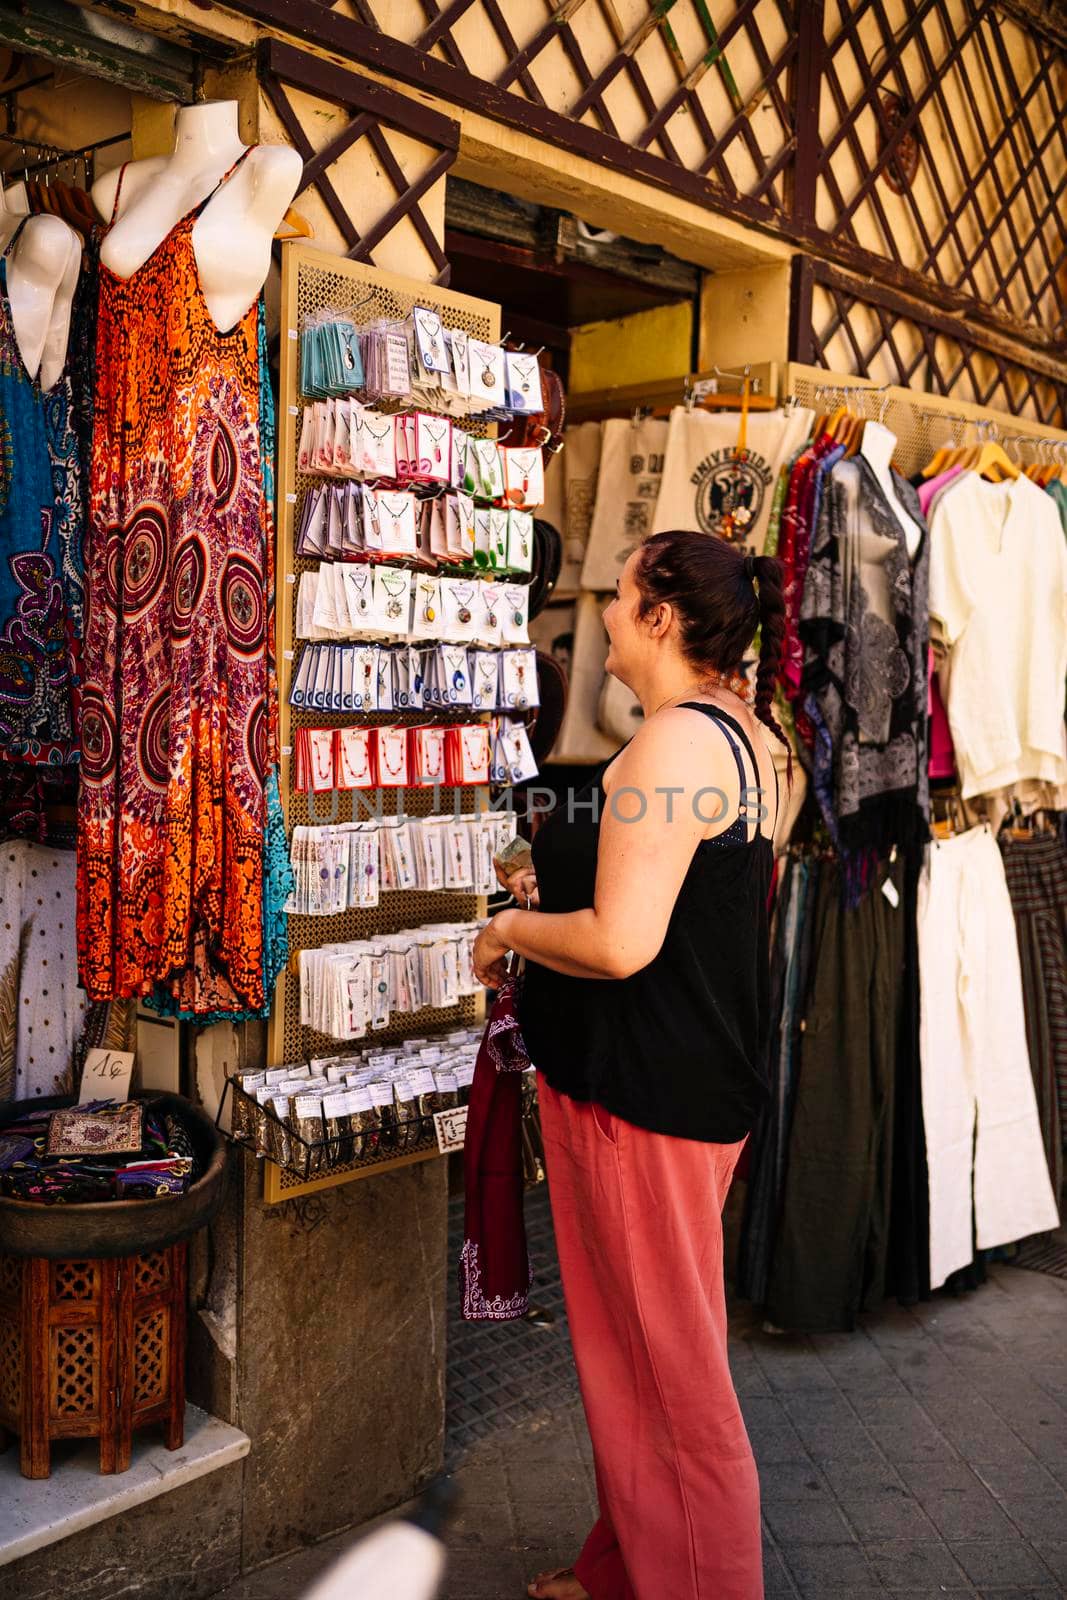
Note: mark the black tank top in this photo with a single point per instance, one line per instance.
(678, 1047)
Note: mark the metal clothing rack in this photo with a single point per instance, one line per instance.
(921, 421)
(55, 157)
(713, 390)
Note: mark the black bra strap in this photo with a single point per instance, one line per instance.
(719, 715)
(724, 718)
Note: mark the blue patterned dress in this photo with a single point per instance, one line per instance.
(40, 561)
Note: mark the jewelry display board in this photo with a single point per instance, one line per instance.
(313, 281)
(922, 422)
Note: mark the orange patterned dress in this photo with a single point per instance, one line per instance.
(177, 718)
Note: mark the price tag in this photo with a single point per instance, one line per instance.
(106, 1076)
(451, 1128)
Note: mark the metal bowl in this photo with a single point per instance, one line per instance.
(101, 1228)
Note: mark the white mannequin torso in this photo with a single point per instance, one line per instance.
(877, 448)
(232, 235)
(42, 273)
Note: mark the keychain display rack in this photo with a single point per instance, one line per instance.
(314, 281)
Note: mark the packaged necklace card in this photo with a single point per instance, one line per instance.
(485, 679)
(486, 376)
(392, 757)
(523, 380)
(426, 620)
(430, 340)
(498, 537)
(432, 448)
(398, 535)
(515, 611)
(458, 596)
(467, 762)
(392, 598)
(512, 759)
(426, 756)
(520, 541)
(377, 445)
(524, 476)
(486, 475)
(519, 679)
(356, 764)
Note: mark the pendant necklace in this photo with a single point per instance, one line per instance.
(531, 456)
(428, 612)
(393, 771)
(525, 373)
(399, 518)
(435, 439)
(473, 760)
(393, 607)
(323, 768)
(430, 326)
(361, 589)
(459, 676)
(490, 608)
(489, 462)
(514, 598)
(362, 744)
(488, 371)
(463, 597)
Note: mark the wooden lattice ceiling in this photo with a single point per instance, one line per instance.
(776, 111)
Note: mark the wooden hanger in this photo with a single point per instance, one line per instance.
(297, 223)
(992, 462)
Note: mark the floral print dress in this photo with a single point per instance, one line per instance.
(178, 714)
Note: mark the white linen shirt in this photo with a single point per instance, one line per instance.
(998, 585)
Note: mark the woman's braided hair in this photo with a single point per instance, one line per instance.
(720, 598)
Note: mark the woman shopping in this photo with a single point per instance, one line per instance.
(645, 1009)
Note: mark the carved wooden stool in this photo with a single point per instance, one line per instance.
(92, 1349)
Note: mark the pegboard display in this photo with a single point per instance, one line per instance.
(312, 282)
(922, 422)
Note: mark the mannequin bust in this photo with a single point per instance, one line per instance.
(877, 448)
(232, 236)
(42, 273)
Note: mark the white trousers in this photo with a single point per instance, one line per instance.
(983, 1138)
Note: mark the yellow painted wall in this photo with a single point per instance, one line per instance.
(648, 344)
(744, 317)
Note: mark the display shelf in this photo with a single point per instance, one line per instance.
(297, 1166)
(313, 281)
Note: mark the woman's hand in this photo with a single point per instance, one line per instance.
(521, 884)
(488, 956)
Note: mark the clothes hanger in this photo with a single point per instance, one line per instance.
(298, 225)
(992, 461)
(951, 453)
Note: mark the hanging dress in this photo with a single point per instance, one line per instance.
(40, 578)
(179, 731)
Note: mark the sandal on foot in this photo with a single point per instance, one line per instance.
(549, 1577)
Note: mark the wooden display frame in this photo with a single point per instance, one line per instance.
(313, 279)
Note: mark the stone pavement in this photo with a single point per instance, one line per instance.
(924, 1455)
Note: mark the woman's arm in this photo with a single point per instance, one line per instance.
(654, 815)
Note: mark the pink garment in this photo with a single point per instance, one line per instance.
(638, 1220)
(931, 487)
(942, 750)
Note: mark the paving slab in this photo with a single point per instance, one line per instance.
(923, 1455)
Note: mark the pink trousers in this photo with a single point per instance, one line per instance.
(638, 1220)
